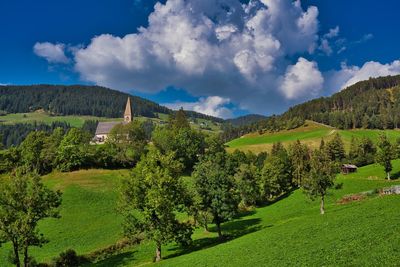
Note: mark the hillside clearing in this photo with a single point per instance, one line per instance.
(311, 134)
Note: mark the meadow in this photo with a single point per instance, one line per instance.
(43, 117)
(78, 121)
(89, 219)
(287, 232)
(311, 134)
(292, 232)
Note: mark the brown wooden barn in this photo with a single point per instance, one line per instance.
(348, 168)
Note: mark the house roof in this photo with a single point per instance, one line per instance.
(106, 127)
(349, 166)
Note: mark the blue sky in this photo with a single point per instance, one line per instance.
(221, 57)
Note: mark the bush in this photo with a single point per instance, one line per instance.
(69, 258)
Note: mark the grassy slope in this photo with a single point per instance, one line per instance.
(288, 232)
(291, 232)
(310, 134)
(75, 121)
(89, 220)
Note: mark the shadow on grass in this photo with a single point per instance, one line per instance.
(395, 176)
(117, 260)
(231, 230)
(277, 199)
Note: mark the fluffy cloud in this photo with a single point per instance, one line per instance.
(212, 105)
(334, 32)
(53, 53)
(325, 45)
(212, 47)
(349, 75)
(303, 78)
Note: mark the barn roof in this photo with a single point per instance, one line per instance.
(349, 166)
(106, 127)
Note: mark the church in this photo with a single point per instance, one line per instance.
(104, 128)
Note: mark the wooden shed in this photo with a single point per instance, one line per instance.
(348, 168)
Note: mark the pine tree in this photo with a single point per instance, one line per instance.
(180, 120)
(335, 149)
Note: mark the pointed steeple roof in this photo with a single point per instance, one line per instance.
(128, 111)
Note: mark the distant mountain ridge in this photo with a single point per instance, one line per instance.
(79, 100)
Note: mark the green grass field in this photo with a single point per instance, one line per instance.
(74, 121)
(291, 232)
(89, 220)
(288, 232)
(310, 134)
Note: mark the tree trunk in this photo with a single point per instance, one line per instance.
(205, 222)
(206, 228)
(26, 257)
(219, 229)
(388, 175)
(16, 255)
(158, 252)
(322, 207)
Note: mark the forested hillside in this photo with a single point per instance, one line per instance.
(78, 100)
(372, 104)
(246, 120)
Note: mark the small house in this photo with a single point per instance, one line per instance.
(348, 168)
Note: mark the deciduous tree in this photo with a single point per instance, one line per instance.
(215, 186)
(299, 155)
(385, 154)
(24, 202)
(248, 185)
(320, 178)
(151, 198)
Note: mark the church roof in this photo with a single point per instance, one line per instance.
(128, 108)
(106, 127)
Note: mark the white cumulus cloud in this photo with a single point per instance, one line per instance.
(212, 105)
(209, 47)
(53, 53)
(349, 75)
(303, 78)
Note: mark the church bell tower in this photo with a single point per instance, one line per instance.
(128, 111)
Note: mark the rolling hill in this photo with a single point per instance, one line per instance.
(372, 104)
(287, 232)
(310, 133)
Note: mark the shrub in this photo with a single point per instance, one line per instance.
(69, 258)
